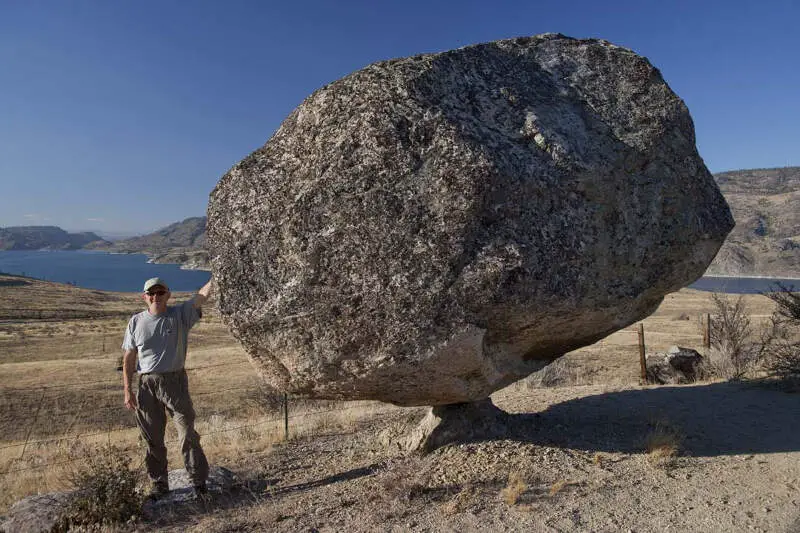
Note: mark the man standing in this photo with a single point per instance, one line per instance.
(155, 346)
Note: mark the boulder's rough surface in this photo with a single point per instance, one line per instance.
(430, 229)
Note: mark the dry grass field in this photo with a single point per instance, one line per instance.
(601, 452)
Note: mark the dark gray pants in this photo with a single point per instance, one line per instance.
(158, 395)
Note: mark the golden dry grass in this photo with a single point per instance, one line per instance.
(556, 487)
(677, 321)
(61, 388)
(514, 488)
(663, 444)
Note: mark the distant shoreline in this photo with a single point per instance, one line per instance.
(188, 265)
(748, 277)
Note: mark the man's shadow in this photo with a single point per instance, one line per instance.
(711, 420)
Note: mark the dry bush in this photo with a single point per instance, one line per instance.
(105, 488)
(733, 353)
(556, 487)
(514, 488)
(783, 359)
(397, 489)
(463, 501)
(663, 444)
(403, 482)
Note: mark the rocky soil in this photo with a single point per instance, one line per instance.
(576, 460)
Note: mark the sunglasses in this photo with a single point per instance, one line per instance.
(156, 293)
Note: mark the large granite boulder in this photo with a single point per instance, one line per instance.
(430, 229)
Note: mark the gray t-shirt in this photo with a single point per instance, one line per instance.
(161, 339)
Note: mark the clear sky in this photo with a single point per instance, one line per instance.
(121, 116)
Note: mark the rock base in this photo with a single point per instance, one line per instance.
(457, 423)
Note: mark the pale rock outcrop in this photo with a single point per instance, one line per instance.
(678, 365)
(430, 229)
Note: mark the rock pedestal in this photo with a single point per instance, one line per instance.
(457, 423)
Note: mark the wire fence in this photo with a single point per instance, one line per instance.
(254, 390)
(67, 435)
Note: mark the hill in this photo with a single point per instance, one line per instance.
(764, 242)
(45, 238)
(766, 239)
(182, 242)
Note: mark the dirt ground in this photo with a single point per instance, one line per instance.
(576, 462)
(600, 453)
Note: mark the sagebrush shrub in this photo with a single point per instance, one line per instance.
(105, 490)
(733, 351)
(663, 443)
(784, 350)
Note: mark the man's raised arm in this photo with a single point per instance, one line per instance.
(203, 294)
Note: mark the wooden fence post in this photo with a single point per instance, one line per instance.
(285, 416)
(642, 361)
(33, 423)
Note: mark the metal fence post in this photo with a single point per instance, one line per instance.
(642, 361)
(285, 416)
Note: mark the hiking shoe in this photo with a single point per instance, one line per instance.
(200, 492)
(157, 492)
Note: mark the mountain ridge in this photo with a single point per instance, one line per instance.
(181, 242)
(765, 203)
(46, 238)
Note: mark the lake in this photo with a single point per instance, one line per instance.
(127, 272)
(742, 285)
(99, 270)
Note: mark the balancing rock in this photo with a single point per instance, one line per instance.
(427, 230)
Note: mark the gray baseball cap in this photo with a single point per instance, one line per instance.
(152, 282)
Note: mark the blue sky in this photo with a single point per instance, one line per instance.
(121, 116)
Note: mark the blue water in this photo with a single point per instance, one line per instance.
(743, 285)
(99, 270)
(127, 272)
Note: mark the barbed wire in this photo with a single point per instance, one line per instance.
(261, 422)
(128, 428)
(269, 419)
(82, 384)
